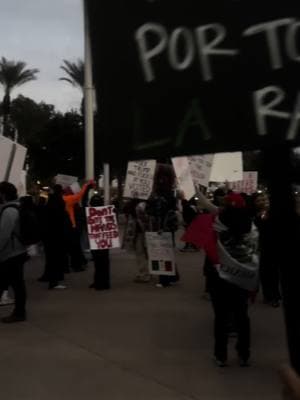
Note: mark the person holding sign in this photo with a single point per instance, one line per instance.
(103, 233)
(230, 243)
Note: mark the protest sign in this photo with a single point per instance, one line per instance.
(184, 177)
(160, 253)
(139, 179)
(65, 180)
(201, 169)
(6, 146)
(248, 185)
(227, 167)
(17, 165)
(102, 228)
(244, 275)
(187, 77)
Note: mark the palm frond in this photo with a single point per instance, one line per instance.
(74, 72)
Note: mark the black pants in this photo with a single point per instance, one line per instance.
(230, 301)
(77, 259)
(12, 274)
(102, 269)
(269, 277)
(56, 260)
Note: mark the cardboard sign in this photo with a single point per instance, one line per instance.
(248, 185)
(227, 167)
(65, 180)
(178, 77)
(6, 146)
(17, 165)
(102, 228)
(139, 179)
(184, 177)
(160, 253)
(201, 167)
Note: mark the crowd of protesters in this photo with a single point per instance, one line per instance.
(228, 224)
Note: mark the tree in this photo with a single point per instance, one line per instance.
(75, 73)
(12, 74)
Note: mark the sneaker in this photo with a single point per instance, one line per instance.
(6, 300)
(244, 363)
(220, 363)
(60, 287)
(159, 285)
(13, 318)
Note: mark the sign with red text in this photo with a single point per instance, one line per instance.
(248, 185)
(102, 227)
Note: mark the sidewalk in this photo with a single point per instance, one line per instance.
(133, 342)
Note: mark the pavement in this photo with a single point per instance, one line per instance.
(133, 342)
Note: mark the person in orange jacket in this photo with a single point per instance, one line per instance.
(74, 245)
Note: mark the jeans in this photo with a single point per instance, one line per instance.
(12, 274)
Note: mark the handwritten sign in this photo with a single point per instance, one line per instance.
(227, 167)
(139, 179)
(160, 253)
(184, 177)
(201, 169)
(65, 180)
(102, 227)
(248, 185)
(187, 77)
(244, 275)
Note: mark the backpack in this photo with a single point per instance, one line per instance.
(30, 232)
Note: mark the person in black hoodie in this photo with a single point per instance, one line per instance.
(100, 257)
(269, 270)
(56, 228)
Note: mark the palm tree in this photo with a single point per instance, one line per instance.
(75, 72)
(13, 74)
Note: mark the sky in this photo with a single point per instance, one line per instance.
(43, 33)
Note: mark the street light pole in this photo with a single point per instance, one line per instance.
(88, 100)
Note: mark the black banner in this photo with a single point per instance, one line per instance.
(178, 77)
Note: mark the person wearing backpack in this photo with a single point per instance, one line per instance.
(13, 253)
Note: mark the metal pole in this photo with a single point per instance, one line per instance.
(88, 101)
(106, 178)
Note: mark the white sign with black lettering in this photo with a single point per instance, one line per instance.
(160, 253)
(139, 179)
(201, 169)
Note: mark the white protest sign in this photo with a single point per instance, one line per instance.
(160, 253)
(102, 228)
(6, 146)
(65, 180)
(22, 186)
(201, 169)
(184, 177)
(17, 164)
(139, 179)
(227, 167)
(248, 185)
(240, 274)
(75, 187)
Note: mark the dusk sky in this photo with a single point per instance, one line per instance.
(43, 33)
